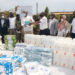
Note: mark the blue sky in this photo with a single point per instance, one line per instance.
(54, 5)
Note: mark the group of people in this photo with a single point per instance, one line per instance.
(14, 25)
(61, 28)
(56, 28)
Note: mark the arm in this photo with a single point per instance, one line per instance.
(7, 22)
(0, 27)
(67, 29)
(52, 30)
(36, 23)
(71, 29)
(71, 26)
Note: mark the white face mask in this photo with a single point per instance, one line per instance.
(62, 20)
(2, 17)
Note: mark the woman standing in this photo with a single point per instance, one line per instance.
(63, 27)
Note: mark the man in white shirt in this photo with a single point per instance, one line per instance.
(12, 24)
(26, 21)
(73, 27)
(43, 25)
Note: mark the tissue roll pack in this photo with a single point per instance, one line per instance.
(42, 55)
(9, 64)
(34, 68)
(19, 48)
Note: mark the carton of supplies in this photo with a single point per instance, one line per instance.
(63, 48)
(10, 42)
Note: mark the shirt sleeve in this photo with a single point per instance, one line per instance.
(32, 20)
(40, 20)
(22, 22)
(72, 22)
(67, 28)
(55, 27)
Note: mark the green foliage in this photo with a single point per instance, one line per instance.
(16, 8)
(58, 17)
(47, 12)
(36, 29)
(74, 13)
(36, 17)
(6, 13)
(48, 17)
(69, 18)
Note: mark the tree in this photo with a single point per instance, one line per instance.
(36, 27)
(47, 12)
(69, 18)
(16, 8)
(58, 17)
(36, 17)
(74, 13)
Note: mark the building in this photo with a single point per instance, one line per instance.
(28, 9)
(62, 13)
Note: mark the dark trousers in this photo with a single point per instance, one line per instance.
(73, 35)
(18, 37)
(12, 31)
(2, 38)
(45, 32)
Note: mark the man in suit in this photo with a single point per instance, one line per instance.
(3, 27)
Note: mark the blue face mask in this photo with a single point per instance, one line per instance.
(23, 14)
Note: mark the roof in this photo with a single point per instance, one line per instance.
(61, 13)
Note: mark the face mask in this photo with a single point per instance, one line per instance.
(2, 17)
(51, 17)
(24, 14)
(62, 20)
